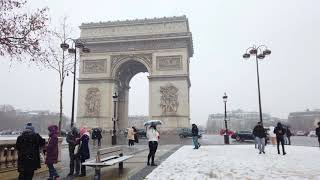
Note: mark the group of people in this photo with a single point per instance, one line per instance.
(260, 135)
(29, 144)
(279, 135)
(132, 136)
(78, 141)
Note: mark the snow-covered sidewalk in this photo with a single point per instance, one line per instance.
(239, 162)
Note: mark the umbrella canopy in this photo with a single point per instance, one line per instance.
(152, 122)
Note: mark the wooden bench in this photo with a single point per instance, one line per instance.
(107, 157)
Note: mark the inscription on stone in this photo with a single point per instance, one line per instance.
(169, 62)
(94, 66)
(93, 101)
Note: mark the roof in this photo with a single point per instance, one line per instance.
(135, 22)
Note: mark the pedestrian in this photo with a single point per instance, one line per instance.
(272, 136)
(84, 149)
(94, 136)
(28, 145)
(130, 137)
(195, 136)
(73, 151)
(136, 138)
(280, 132)
(318, 132)
(260, 135)
(153, 137)
(52, 152)
(99, 136)
(289, 134)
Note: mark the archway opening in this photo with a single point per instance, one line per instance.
(138, 100)
(133, 93)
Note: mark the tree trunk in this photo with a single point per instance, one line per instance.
(61, 107)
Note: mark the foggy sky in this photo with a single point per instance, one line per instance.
(222, 31)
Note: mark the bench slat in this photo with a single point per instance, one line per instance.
(109, 150)
(117, 160)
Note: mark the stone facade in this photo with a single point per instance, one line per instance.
(121, 49)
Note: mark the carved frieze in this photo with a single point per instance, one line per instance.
(169, 102)
(94, 66)
(142, 45)
(146, 58)
(93, 102)
(169, 62)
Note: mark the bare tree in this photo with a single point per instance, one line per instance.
(59, 60)
(21, 32)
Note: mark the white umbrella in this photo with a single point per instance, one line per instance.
(153, 122)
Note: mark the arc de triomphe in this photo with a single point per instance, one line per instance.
(121, 49)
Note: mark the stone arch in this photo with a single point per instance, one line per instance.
(119, 60)
(160, 46)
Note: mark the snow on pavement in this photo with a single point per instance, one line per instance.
(239, 162)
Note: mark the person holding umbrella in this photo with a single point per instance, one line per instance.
(153, 137)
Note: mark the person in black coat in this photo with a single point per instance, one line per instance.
(74, 157)
(195, 136)
(289, 134)
(96, 135)
(84, 149)
(28, 145)
(280, 132)
(260, 135)
(318, 132)
(135, 131)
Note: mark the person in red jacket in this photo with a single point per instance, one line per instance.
(52, 152)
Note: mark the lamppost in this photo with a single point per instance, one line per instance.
(226, 136)
(76, 44)
(114, 119)
(260, 53)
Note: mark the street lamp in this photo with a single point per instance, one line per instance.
(77, 44)
(260, 53)
(226, 136)
(114, 119)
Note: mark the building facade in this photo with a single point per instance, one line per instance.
(304, 120)
(237, 120)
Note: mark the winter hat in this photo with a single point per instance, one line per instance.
(83, 131)
(29, 126)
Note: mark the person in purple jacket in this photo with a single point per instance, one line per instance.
(52, 152)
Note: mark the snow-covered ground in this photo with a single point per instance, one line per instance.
(239, 162)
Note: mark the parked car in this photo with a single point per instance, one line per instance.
(312, 134)
(142, 133)
(243, 135)
(300, 133)
(247, 135)
(186, 132)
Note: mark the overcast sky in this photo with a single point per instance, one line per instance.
(222, 31)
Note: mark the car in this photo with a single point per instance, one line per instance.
(247, 135)
(243, 135)
(312, 134)
(142, 133)
(300, 133)
(186, 132)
